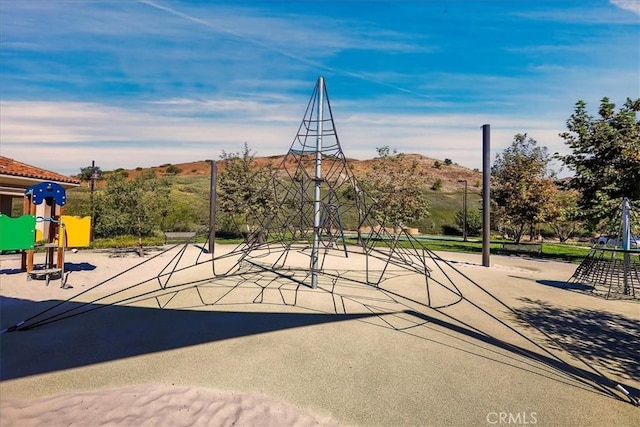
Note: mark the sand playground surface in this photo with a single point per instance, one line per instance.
(149, 348)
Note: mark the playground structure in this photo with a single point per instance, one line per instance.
(612, 268)
(304, 207)
(43, 225)
(290, 258)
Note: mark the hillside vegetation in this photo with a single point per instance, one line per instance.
(447, 172)
(189, 190)
(407, 190)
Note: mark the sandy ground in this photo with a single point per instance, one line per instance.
(152, 348)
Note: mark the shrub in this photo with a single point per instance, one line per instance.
(173, 170)
(449, 230)
(474, 221)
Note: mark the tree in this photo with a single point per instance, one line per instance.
(520, 187)
(180, 214)
(563, 215)
(130, 207)
(243, 190)
(87, 172)
(474, 221)
(605, 158)
(397, 189)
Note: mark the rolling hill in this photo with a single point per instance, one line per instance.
(432, 169)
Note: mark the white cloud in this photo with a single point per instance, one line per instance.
(631, 5)
(582, 14)
(68, 135)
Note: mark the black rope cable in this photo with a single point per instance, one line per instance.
(20, 326)
(16, 326)
(59, 317)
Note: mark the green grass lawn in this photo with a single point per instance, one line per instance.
(555, 251)
(191, 193)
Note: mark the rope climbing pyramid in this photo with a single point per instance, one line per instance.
(314, 194)
(612, 267)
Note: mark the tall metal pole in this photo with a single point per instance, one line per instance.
(94, 175)
(626, 243)
(212, 206)
(464, 210)
(318, 181)
(486, 192)
(626, 224)
(466, 230)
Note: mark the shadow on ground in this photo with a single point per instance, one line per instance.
(125, 331)
(68, 266)
(606, 339)
(565, 285)
(78, 266)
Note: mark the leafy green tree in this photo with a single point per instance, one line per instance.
(520, 188)
(474, 221)
(179, 215)
(131, 207)
(397, 188)
(244, 191)
(605, 158)
(86, 173)
(563, 214)
(78, 202)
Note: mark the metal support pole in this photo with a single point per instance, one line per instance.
(626, 224)
(486, 193)
(466, 230)
(94, 176)
(318, 181)
(626, 243)
(212, 206)
(464, 210)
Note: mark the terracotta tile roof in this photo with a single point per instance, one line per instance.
(12, 167)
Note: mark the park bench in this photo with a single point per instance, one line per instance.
(178, 236)
(521, 248)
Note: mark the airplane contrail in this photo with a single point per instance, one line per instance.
(284, 53)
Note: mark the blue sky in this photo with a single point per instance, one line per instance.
(143, 83)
